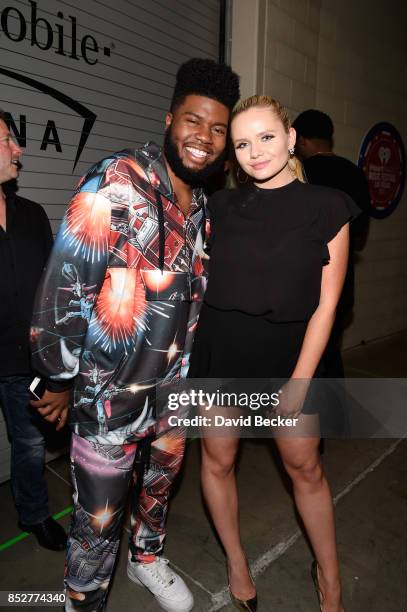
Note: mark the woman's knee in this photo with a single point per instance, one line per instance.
(305, 471)
(219, 464)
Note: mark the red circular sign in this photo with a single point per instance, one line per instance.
(382, 160)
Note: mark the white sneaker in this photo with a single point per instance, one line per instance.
(170, 591)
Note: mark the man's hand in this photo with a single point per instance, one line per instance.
(53, 407)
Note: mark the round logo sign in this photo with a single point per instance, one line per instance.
(382, 159)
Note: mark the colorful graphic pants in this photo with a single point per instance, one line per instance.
(102, 476)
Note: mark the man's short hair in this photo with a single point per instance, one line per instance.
(314, 124)
(4, 116)
(205, 77)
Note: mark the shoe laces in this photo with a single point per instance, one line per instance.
(160, 570)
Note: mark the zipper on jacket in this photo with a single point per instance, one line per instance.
(161, 231)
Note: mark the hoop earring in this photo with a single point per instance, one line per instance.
(239, 180)
(291, 151)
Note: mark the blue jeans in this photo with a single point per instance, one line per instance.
(27, 450)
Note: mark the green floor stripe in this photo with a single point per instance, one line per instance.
(63, 513)
(13, 541)
(24, 534)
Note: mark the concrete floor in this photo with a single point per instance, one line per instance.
(369, 484)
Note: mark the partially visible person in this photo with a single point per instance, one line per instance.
(314, 146)
(25, 242)
(278, 255)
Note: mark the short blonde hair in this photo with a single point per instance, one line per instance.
(261, 101)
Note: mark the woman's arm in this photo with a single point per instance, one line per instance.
(320, 325)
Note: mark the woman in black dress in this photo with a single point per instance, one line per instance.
(278, 258)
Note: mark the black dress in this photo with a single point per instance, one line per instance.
(267, 251)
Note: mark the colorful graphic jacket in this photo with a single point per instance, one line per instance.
(119, 299)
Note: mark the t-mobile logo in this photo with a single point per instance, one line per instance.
(62, 37)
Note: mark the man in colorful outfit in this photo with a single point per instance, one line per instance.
(116, 312)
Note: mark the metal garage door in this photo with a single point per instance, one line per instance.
(83, 78)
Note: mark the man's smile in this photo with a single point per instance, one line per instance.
(195, 152)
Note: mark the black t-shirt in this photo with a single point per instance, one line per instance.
(340, 173)
(24, 249)
(268, 247)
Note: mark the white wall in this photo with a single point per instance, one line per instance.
(346, 58)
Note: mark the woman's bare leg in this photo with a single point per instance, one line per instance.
(220, 491)
(313, 499)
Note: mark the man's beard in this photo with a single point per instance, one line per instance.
(194, 178)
